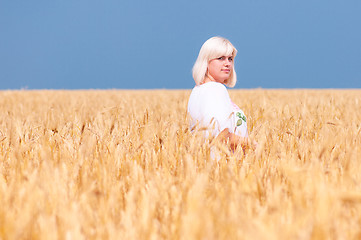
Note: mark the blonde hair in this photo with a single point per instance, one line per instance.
(213, 48)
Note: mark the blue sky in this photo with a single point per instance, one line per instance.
(142, 44)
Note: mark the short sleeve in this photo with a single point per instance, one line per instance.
(213, 108)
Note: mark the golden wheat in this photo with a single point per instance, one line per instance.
(123, 165)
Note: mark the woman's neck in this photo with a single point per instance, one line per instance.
(209, 79)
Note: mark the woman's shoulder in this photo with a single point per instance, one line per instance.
(214, 85)
(211, 94)
(210, 88)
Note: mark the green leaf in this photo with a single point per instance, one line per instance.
(239, 122)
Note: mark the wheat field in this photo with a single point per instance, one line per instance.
(120, 164)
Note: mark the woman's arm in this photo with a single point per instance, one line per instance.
(234, 140)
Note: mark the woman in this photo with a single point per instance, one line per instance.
(209, 105)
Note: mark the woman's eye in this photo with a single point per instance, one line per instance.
(230, 59)
(220, 58)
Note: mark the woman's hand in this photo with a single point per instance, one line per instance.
(234, 140)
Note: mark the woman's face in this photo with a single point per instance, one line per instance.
(220, 69)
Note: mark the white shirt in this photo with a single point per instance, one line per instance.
(210, 107)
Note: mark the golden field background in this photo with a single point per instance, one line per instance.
(123, 165)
